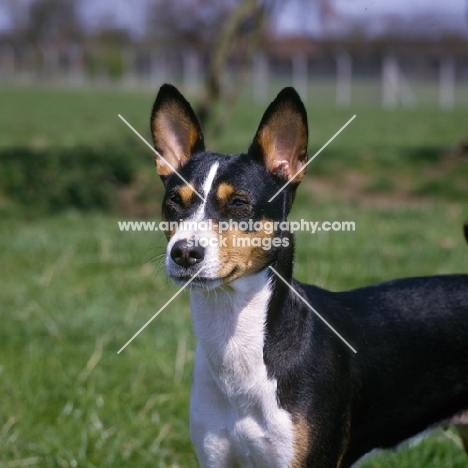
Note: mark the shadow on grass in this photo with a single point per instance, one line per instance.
(48, 181)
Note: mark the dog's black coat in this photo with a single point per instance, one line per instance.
(410, 372)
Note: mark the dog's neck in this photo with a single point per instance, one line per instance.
(229, 323)
(232, 322)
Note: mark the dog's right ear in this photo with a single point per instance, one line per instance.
(175, 129)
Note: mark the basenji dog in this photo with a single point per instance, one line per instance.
(273, 385)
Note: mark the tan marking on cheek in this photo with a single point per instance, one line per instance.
(167, 232)
(243, 253)
(224, 191)
(301, 442)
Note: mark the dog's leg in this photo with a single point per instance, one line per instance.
(208, 419)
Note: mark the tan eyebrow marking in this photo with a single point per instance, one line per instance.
(224, 191)
(186, 194)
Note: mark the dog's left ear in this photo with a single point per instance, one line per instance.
(282, 136)
(175, 129)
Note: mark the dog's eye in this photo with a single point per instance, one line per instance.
(238, 202)
(176, 198)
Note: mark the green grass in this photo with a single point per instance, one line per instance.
(440, 450)
(74, 288)
(44, 117)
(413, 147)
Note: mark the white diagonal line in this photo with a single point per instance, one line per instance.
(160, 310)
(159, 156)
(313, 310)
(312, 158)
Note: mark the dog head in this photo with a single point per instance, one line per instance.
(223, 208)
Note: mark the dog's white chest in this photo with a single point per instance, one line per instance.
(235, 419)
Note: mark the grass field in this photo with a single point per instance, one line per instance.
(74, 288)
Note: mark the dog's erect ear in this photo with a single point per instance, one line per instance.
(281, 138)
(175, 129)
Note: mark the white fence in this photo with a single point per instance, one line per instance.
(388, 82)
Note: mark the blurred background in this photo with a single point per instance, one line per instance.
(405, 48)
(66, 68)
(74, 288)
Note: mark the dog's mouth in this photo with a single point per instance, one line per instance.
(201, 282)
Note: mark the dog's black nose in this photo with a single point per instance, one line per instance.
(186, 254)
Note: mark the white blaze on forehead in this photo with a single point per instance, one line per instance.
(209, 179)
(206, 188)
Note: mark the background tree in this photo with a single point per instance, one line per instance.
(52, 20)
(223, 32)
